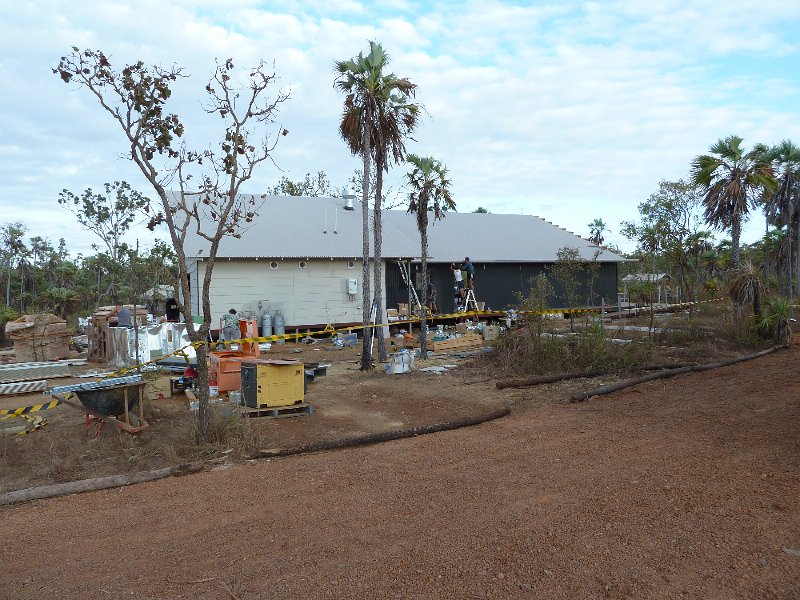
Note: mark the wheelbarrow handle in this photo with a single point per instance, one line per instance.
(68, 400)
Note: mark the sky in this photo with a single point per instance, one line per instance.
(567, 110)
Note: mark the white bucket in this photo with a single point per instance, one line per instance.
(402, 362)
(213, 390)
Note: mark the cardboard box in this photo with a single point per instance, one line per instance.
(402, 309)
(491, 332)
(464, 327)
(465, 342)
(159, 388)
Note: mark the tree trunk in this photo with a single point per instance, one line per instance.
(796, 263)
(789, 285)
(366, 304)
(423, 330)
(203, 414)
(378, 264)
(736, 230)
(98, 483)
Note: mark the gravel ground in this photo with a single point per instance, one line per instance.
(688, 487)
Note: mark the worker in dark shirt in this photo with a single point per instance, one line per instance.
(470, 269)
(432, 298)
(124, 317)
(173, 313)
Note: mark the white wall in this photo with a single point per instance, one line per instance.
(310, 296)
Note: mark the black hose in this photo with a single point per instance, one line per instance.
(386, 436)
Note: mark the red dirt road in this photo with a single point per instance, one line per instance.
(687, 487)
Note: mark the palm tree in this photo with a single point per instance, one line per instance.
(430, 195)
(376, 119)
(782, 204)
(747, 285)
(776, 249)
(732, 181)
(596, 230)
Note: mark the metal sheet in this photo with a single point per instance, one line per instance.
(96, 385)
(33, 371)
(22, 387)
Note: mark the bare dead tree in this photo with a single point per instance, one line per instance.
(199, 190)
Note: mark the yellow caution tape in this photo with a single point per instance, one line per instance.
(10, 413)
(331, 330)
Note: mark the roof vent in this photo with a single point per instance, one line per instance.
(348, 196)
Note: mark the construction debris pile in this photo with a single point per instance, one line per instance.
(39, 337)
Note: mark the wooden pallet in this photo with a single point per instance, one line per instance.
(278, 412)
(462, 343)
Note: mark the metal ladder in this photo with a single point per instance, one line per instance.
(470, 299)
(417, 305)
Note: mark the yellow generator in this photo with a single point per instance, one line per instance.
(272, 382)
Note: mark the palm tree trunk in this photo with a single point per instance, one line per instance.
(757, 304)
(378, 264)
(796, 262)
(736, 233)
(366, 303)
(423, 330)
(790, 255)
(736, 230)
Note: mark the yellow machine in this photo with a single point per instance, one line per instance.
(273, 382)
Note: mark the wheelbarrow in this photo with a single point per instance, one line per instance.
(108, 401)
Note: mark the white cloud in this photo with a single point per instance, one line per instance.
(571, 110)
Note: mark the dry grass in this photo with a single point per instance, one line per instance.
(705, 334)
(62, 452)
(529, 352)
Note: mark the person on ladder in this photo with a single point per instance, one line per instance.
(458, 288)
(469, 268)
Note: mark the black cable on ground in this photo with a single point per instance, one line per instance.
(386, 436)
(669, 373)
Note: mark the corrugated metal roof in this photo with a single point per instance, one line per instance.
(300, 227)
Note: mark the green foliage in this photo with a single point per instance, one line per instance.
(782, 209)
(747, 286)
(596, 230)
(774, 323)
(310, 186)
(668, 237)
(549, 353)
(377, 117)
(534, 305)
(6, 314)
(538, 349)
(430, 195)
(566, 270)
(207, 183)
(732, 181)
(481, 210)
(43, 278)
(108, 215)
